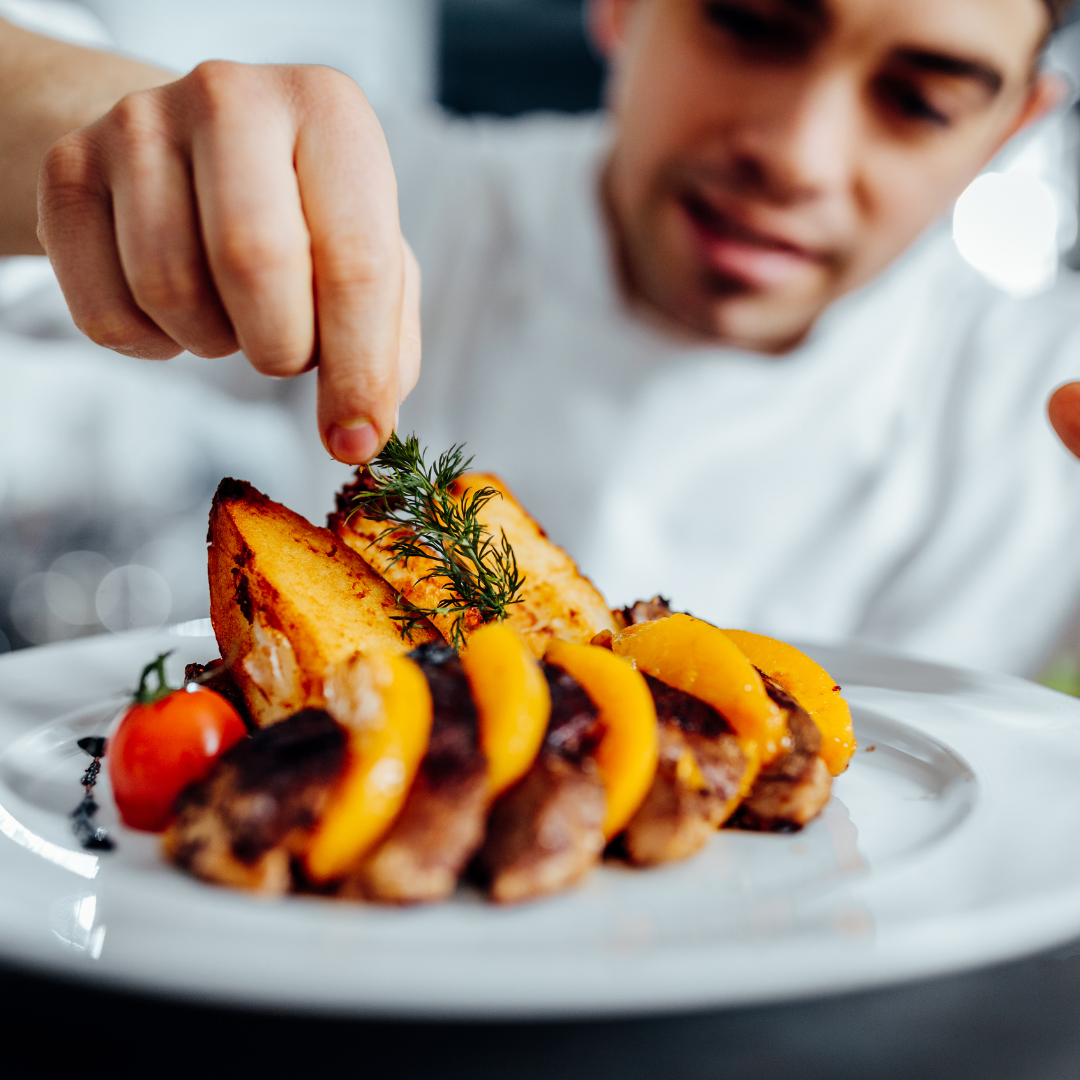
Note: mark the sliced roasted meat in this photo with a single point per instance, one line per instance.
(643, 611)
(787, 794)
(442, 823)
(697, 782)
(546, 832)
(244, 824)
(791, 791)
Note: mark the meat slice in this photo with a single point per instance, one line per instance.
(245, 822)
(793, 790)
(647, 611)
(546, 832)
(697, 782)
(442, 823)
(788, 793)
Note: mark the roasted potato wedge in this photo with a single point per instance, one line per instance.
(289, 602)
(559, 601)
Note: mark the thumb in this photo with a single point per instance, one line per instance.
(1064, 412)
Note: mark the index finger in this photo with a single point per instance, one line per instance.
(349, 196)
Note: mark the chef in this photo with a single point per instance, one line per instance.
(714, 339)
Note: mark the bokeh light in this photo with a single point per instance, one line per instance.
(1006, 224)
(133, 597)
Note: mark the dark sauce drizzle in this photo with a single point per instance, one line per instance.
(92, 837)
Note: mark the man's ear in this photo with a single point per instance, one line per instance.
(1047, 92)
(607, 24)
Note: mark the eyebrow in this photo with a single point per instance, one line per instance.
(942, 64)
(813, 11)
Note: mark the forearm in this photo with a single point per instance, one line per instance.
(48, 88)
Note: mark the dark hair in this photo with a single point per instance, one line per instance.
(1058, 9)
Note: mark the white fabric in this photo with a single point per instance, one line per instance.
(893, 481)
(387, 46)
(57, 18)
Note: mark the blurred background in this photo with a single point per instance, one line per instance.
(106, 469)
(107, 465)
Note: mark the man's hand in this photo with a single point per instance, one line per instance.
(244, 207)
(1064, 410)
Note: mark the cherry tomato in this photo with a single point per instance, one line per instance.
(167, 739)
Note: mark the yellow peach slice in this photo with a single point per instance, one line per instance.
(512, 701)
(811, 686)
(381, 763)
(697, 658)
(627, 754)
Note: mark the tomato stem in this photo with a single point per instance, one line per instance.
(144, 695)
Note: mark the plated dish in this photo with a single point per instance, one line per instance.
(466, 721)
(435, 696)
(920, 864)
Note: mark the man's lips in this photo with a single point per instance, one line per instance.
(735, 251)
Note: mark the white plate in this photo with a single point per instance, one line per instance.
(953, 842)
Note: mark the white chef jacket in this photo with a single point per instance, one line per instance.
(893, 481)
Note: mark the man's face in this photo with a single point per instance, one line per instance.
(771, 155)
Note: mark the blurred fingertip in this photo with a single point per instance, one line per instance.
(1063, 409)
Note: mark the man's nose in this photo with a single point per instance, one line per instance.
(798, 143)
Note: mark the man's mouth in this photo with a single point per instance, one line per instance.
(735, 251)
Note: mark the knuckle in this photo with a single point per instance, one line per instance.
(132, 115)
(212, 76)
(249, 258)
(326, 83)
(279, 359)
(216, 83)
(356, 268)
(67, 157)
(363, 393)
(68, 175)
(135, 124)
(164, 287)
(221, 346)
(120, 331)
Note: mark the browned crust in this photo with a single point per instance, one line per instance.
(269, 564)
(442, 823)
(787, 794)
(545, 833)
(558, 600)
(643, 611)
(791, 791)
(245, 823)
(781, 803)
(429, 845)
(683, 807)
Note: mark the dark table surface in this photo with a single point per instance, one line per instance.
(1019, 1021)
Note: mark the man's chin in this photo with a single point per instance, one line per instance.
(740, 319)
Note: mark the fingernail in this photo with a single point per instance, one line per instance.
(353, 441)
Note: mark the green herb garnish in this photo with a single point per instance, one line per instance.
(426, 521)
(147, 696)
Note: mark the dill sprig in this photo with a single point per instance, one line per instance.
(426, 521)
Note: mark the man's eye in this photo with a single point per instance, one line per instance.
(747, 26)
(753, 30)
(906, 99)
